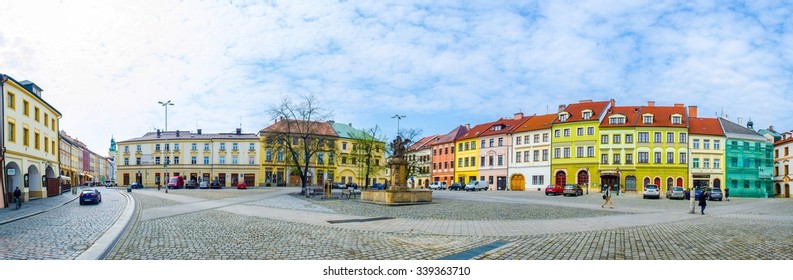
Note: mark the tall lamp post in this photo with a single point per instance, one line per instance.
(398, 117)
(167, 159)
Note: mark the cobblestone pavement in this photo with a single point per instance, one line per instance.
(274, 223)
(57, 228)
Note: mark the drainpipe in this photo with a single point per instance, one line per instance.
(6, 198)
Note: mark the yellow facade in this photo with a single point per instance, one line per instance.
(707, 160)
(574, 152)
(660, 161)
(467, 152)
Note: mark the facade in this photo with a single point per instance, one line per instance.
(707, 146)
(443, 158)
(749, 161)
(618, 149)
(467, 154)
(353, 152)
(153, 158)
(495, 145)
(782, 158)
(30, 141)
(662, 147)
(419, 156)
(279, 167)
(574, 142)
(530, 166)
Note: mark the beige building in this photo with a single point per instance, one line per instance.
(227, 158)
(782, 163)
(419, 156)
(30, 141)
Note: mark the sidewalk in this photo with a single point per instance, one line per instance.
(34, 207)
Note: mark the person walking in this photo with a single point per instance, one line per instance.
(17, 195)
(703, 201)
(607, 197)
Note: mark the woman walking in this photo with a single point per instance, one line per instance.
(703, 201)
(607, 197)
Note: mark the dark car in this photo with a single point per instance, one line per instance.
(697, 192)
(554, 190)
(191, 184)
(574, 190)
(90, 196)
(457, 186)
(377, 186)
(715, 194)
(215, 185)
(136, 185)
(352, 185)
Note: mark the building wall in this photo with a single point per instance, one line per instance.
(491, 147)
(624, 171)
(711, 174)
(574, 164)
(422, 160)
(677, 170)
(749, 167)
(443, 163)
(782, 166)
(530, 174)
(467, 151)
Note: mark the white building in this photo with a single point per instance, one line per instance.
(530, 163)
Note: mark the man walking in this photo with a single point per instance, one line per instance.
(703, 201)
(607, 197)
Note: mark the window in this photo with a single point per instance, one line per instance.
(46, 119)
(717, 163)
(545, 137)
(234, 160)
(280, 155)
(544, 155)
(670, 157)
(717, 146)
(536, 138)
(647, 119)
(677, 120)
(590, 151)
(473, 145)
(657, 157)
(628, 138)
(175, 160)
(46, 144)
(604, 139)
(670, 137)
(251, 160)
(25, 136)
(617, 139)
(36, 113)
(330, 158)
(706, 144)
(500, 142)
(580, 131)
(234, 147)
(706, 163)
(157, 161)
(586, 115)
(644, 137)
(137, 161)
(222, 159)
(526, 156)
(616, 158)
(36, 140)
(138, 148)
(517, 140)
(616, 120)
(126, 161)
(25, 107)
(126, 149)
(657, 137)
(467, 162)
(12, 132)
(222, 146)
(556, 133)
(517, 157)
(193, 147)
(579, 152)
(590, 130)
(563, 117)
(604, 159)
(167, 147)
(492, 141)
(566, 132)
(320, 158)
(643, 157)
(538, 180)
(557, 153)
(695, 144)
(193, 159)
(695, 163)
(566, 152)
(344, 146)
(500, 160)
(12, 101)
(460, 148)
(176, 146)
(268, 154)
(206, 146)
(467, 146)
(683, 158)
(460, 162)
(683, 138)
(629, 158)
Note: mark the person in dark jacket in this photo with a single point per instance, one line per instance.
(703, 201)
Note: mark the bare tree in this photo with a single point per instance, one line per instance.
(301, 129)
(368, 146)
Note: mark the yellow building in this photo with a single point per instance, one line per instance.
(225, 158)
(467, 153)
(574, 142)
(353, 151)
(662, 146)
(279, 167)
(30, 141)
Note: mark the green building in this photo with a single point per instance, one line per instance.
(750, 161)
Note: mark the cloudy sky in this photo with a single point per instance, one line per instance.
(106, 64)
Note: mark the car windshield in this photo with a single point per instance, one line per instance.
(569, 187)
(173, 180)
(651, 187)
(715, 190)
(88, 192)
(678, 189)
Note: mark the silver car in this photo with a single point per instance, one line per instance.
(676, 193)
(651, 191)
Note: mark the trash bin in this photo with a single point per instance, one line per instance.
(129, 188)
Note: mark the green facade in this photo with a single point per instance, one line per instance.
(750, 167)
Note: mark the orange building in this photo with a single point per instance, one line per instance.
(443, 155)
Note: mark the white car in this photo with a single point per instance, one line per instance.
(438, 185)
(651, 191)
(476, 186)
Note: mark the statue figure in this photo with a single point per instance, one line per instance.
(399, 146)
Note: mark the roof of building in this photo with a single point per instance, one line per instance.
(28, 85)
(316, 127)
(504, 125)
(734, 130)
(535, 123)
(631, 114)
(705, 126)
(576, 110)
(476, 131)
(783, 141)
(457, 132)
(423, 143)
(186, 135)
(770, 131)
(346, 130)
(662, 116)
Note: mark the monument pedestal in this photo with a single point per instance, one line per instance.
(398, 193)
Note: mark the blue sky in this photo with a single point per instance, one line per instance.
(105, 64)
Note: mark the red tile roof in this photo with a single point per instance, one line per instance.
(535, 123)
(314, 127)
(662, 116)
(477, 130)
(457, 132)
(575, 110)
(631, 114)
(423, 143)
(505, 124)
(705, 126)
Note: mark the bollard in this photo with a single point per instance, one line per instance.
(129, 188)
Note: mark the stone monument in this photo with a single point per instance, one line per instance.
(397, 192)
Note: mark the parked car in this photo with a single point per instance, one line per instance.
(676, 193)
(136, 185)
(352, 185)
(176, 182)
(697, 192)
(715, 194)
(339, 185)
(476, 186)
(574, 190)
(651, 191)
(377, 186)
(203, 185)
(90, 196)
(190, 184)
(438, 185)
(554, 190)
(111, 183)
(215, 185)
(242, 186)
(457, 186)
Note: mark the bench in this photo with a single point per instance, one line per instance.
(312, 191)
(349, 192)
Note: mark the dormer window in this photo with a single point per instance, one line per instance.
(586, 114)
(677, 119)
(647, 119)
(563, 117)
(617, 120)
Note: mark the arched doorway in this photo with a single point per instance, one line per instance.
(561, 178)
(517, 182)
(787, 190)
(657, 181)
(583, 178)
(13, 179)
(646, 182)
(679, 182)
(778, 189)
(630, 183)
(716, 183)
(33, 181)
(669, 182)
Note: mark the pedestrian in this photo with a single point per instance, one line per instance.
(17, 193)
(607, 197)
(703, 201)
(727, 194)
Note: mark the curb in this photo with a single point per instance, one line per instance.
(110, 237)
(37, 212)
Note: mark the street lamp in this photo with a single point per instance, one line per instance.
(398, 117)
(166, 104)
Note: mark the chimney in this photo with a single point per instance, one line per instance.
(650, 103)
(199, 131)
(692, 111)
(239, 131)
(158, 133)
(771, 127)
(177, 133)
(612, 102)
(679, 105)
(468, 126)
(561, 108)
(518, 116)
(740, 121)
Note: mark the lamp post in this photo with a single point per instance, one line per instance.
(398, 117)
(166, 104)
